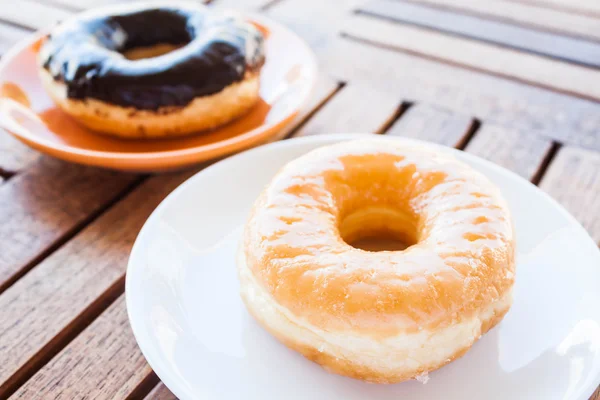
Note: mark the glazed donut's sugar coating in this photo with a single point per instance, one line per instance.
(458, 269)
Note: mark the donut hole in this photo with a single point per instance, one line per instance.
(140, 53)
(379, 229)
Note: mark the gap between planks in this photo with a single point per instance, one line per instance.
(573, 179)
(482, 57)
(105, 356)
(45, 348)
(434, 124)
(354, 108)
(489, 98)
(63, 381)
(46, 206)
(160, 392)
(568, 174)
(41, 315)
(502, 102)
(523, 14)
(520, 152)
(550, 155)
(325, 89)
(82, 293)
(63, 338)
(481, 29)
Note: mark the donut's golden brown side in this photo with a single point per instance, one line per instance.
(388, 359)
(202, 113)
(379, 316)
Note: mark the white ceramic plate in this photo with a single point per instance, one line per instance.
(186, 314)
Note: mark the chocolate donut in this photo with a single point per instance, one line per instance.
(210, 78)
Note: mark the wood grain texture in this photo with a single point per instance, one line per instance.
(45, 203)
(160, 392)
(525, 14)
(32, 14)
(9, 35)
(316, 21)
(324, 89)
(596, 395)
(79, 288)
(14, 155)
(355, 108)
(244, 5)
(517, 151)
(488, 98)
(485, 30)
(53, 300)
(573, 179)
(80, 4)
(433, 124)
(104, 362)
(504, 62)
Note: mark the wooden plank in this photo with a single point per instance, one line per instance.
(316, 21)
(54, 301)
(80, 4)
(324, 89)
(70, 297)
(14, 155)
(355, 108)
(56, 309)
(434, 124)
(504, 102)
(520, 152)
(582, 7)
(559, 117)
(487, 30)
(574, 181)
(104, 362)
(41, 206)
(418, 79)
(33, 15)
(9, 35)
(525, 14)
(555, 75)
(160, 392)
(243, 5)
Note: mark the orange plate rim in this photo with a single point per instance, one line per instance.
(170, 158)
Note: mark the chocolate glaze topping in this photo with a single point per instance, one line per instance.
(86, 54)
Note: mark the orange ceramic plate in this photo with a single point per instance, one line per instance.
(30, 115)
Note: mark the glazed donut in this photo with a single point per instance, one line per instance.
(210, 78)
(383, 316)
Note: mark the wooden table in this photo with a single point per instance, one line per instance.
(516, 82)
